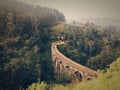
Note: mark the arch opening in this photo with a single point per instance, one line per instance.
(67, 67)
(60, 61)
(89, 78)
(78, 75)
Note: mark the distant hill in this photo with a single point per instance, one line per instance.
(102, 21)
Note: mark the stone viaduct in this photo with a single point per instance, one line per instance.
(75, 71)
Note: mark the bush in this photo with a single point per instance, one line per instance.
(37, 86)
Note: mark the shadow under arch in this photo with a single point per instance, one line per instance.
(89, 78)
(78, 75)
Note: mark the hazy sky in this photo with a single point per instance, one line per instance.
(76, 9)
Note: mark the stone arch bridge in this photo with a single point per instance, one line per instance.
(61, 63)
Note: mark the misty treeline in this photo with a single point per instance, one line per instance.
(91, 45)
(25, 44)
(48, 16)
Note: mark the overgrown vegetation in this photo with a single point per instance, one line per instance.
(38, 86)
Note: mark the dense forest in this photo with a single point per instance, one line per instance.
(91, 45)
(26, 34)
(25, 44)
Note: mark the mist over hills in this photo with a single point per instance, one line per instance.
(102, 21)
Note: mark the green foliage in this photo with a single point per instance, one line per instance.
(60, 87)
(91, 45)
(115, 66)
(37, 86)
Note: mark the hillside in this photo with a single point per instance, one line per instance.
(25, 40)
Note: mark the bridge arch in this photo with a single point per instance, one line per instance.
(60, 61)
(67, 67)
(89, 78)
(78, 75)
